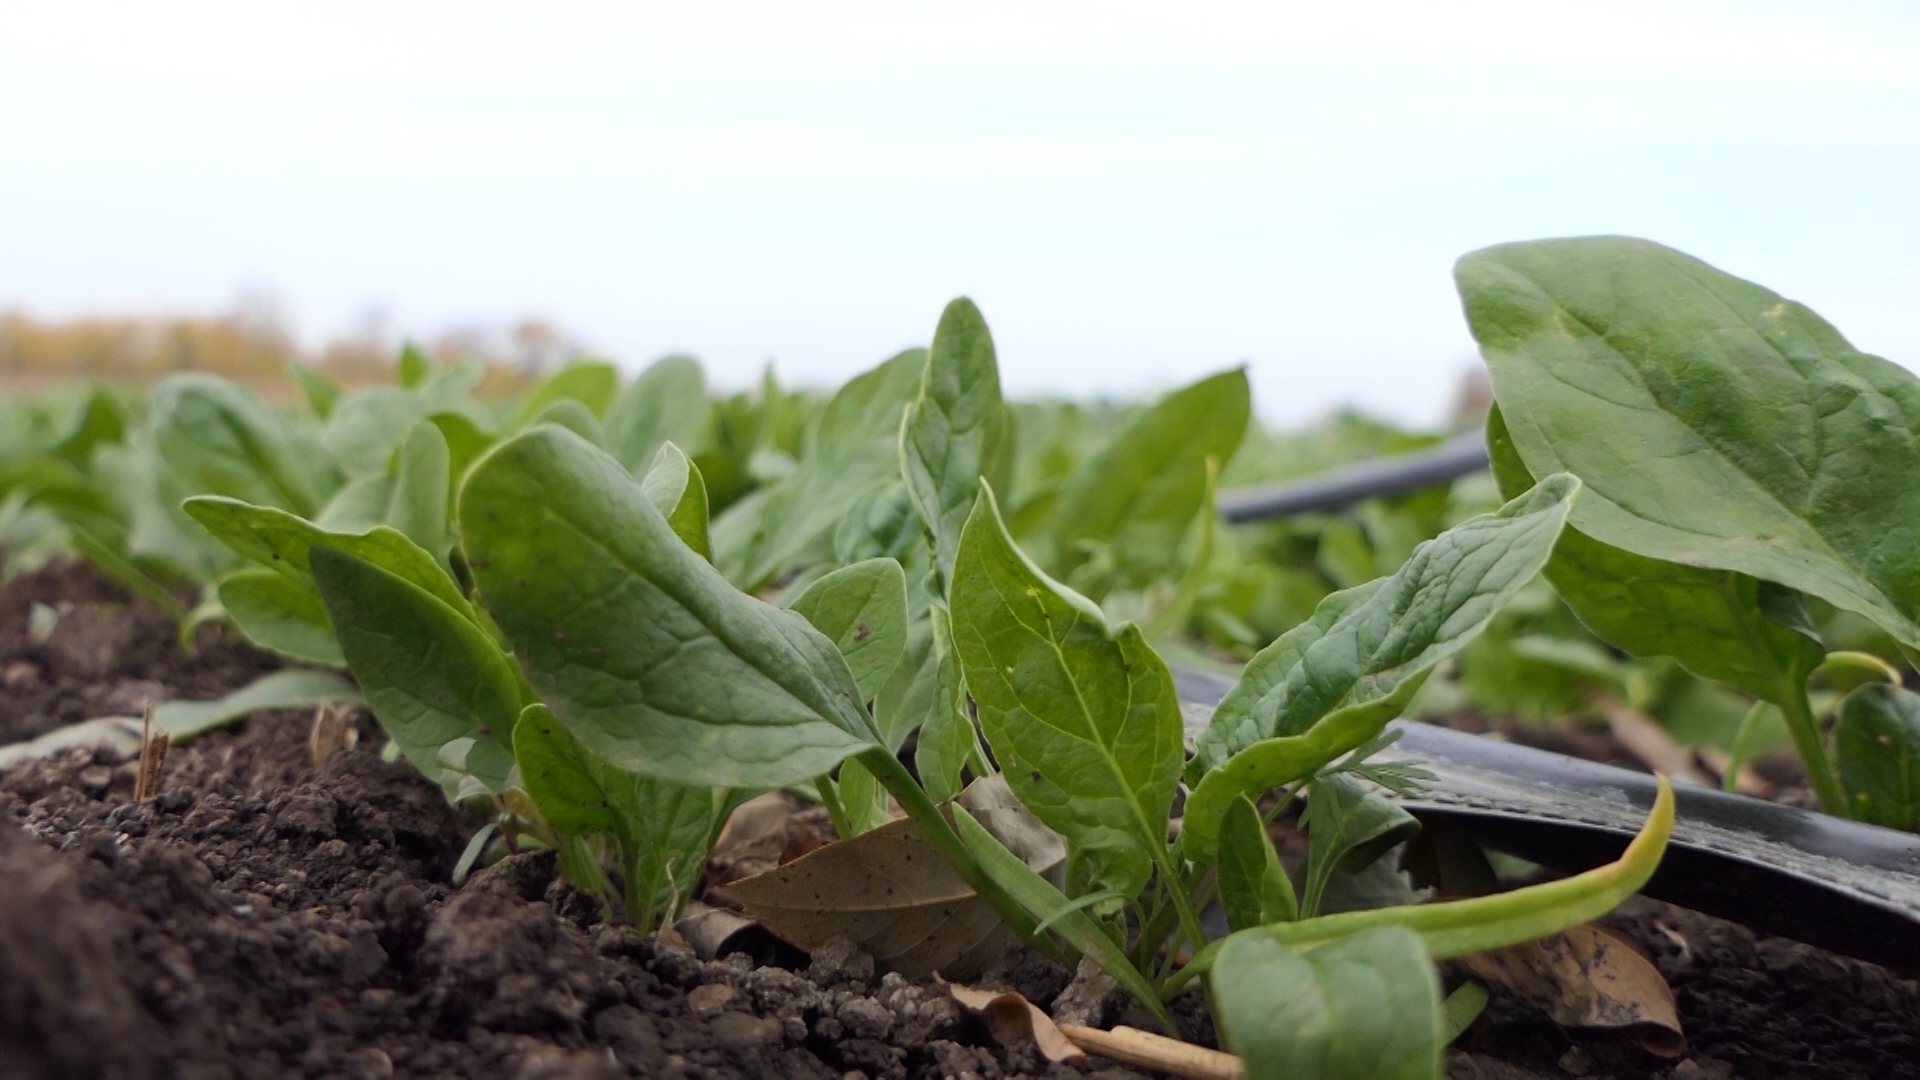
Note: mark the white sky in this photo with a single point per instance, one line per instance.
(1136, 194)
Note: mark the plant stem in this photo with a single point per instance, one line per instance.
(1806, 739)
(939, 832)
(1176, 888)
(836, 811)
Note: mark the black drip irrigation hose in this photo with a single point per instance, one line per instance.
(1459, 456)
(1839, 885)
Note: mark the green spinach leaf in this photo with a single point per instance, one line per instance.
(1714, 423)
(1348, 827)
(957, 431)
(1365, 1005)
(863, 609)
(429, 673)
(1082, 718)
(666, 403)
(1254, 887)
(675, 487)
(1876, 746)
(642, 650)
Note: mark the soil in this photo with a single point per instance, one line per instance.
(267, 916)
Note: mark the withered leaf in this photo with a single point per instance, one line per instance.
(891, 893)
(1012, 1019)
(1586, 977)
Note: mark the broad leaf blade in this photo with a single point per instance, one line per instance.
(1713, 422)
(1082, 718)
(592, 385)
(1876, 747)
(946, 737)
(863, 609)
(429, 673)
(956, 431)
(1366, 1005)
(1369, 646)
(1709, 620)
(643, 651)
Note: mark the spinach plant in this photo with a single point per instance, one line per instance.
(1740, 457)
(653, 665)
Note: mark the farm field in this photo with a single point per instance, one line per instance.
(620, 727)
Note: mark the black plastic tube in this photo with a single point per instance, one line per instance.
(1459, 456)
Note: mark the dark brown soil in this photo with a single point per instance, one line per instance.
(105, 655)
(264, 917)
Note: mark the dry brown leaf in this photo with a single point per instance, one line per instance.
(1131, 1046)
(1586, 977)
(1011, 1019)
(891, 893)
(710, 929)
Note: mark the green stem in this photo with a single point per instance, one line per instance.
(1176, 889)
(939, 832)
(1806, 739)
(836, 811)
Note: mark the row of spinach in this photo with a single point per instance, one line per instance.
(613, 613)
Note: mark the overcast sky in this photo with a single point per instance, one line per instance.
(1136, 194)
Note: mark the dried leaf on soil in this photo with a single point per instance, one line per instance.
(1132, 1046)
(888, 890)
(1012, 1019)
(1586, 977)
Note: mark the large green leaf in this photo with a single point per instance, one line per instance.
(1082, 718)
(957, 431)
(1138, 496)
(666, 403)
(863, 609)
(1710, 620)
(429, 673)
(663, 830)
(1365, 1005)
(1714, 423)
(1254, 887)
(853, 448)
(1876, 745)
(644, 652)
(1368, 647)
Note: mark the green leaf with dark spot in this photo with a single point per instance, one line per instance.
(863, 609)
(1082, 718)
(1876, 746)
(1254, 887)
(1366, 1005)
(642, 650)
